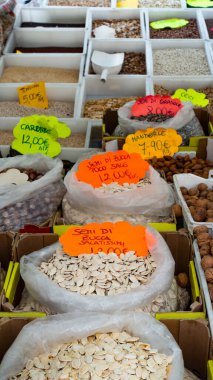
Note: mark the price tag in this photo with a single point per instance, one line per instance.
(33, 95)
(190, 95)
(152, 142)
(157, 105)
(200, 3)
(33, 134)
(119, 237)
(110, 167)
(127, 4)
(172, 23)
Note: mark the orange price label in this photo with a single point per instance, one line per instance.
(110, 167)
(119, 237)
(33, 95)
(156, 105)
(152, 142)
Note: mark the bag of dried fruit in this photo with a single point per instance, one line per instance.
(31, 189)
(64, 283)
(151, 197)
(94, 346)
(184, 122)
(7, 19)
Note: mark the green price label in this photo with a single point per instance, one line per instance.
(172, 23)
(196, 98)
(200, 3)
(38, 134)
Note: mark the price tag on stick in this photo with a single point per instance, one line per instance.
(110, 167)
(152, 142)
(162, 105)
(33, 95)
(119, 237)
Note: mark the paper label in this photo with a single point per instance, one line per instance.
(152, 142)
(110, 167)
(127, 4)
(200, 3)
(156, 104)
(172, 23)
(119, 237)
(190, 95)
(33, 134)
(33, 95)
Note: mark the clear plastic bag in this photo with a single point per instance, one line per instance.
(31, 202)
(184, 122)
(60, 300)
(151, 199)
(41, 335)
(7, 19)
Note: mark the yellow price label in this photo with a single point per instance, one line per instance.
(196, 98)
(33, 95)
(127, 4)
(158, 142)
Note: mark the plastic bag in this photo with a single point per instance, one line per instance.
(152, 199)
(7, 19)
(32, 202)
(185, 122)
(41, 335)
(59, 300)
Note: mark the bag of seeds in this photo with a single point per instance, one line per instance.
(184, 122)
(94, 346)
(98, 282)
(7, 19)
(31, 189)
(150, 196)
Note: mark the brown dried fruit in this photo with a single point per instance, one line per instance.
(207, 262)
(184, 190)
(199, 230)
(203, 194)
(210, 205)
(183, 280)
(177, 209)
(199, 215)
(209, 213)
(193, 191)
(204, 250)
(203, 237)
(210, 196)
(202, 203)
(209, 275)
(210, 220)
(202, 187)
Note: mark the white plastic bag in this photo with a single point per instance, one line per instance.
(60, 300)
(41, 335)
(152, 199)
(31, 202)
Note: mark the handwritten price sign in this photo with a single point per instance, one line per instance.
(157, 105)
(110, 167)
(119, 237)
(33, 134)
(152, 142)
(190, 95)
(33, 95)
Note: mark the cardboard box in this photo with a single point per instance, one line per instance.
(192, 336)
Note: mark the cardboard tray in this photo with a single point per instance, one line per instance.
(118, 45)
(67, 61)
(180, 43)
(189, 180)
(118, 13)
(116, 87)
(161, 14)
(89, 126)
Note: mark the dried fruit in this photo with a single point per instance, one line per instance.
(183, 280)
(207, 262)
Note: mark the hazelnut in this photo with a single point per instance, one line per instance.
(202, 187)
(207, 262)
(209, 275)
(183, 280)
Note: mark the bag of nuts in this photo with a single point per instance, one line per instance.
(184, 122)
(7, 19)
(151, 196)
(94, 346)
(36, 198)
(64, 283)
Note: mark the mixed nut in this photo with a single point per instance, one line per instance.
(181, 164)
(116, 355)
(199, 200)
